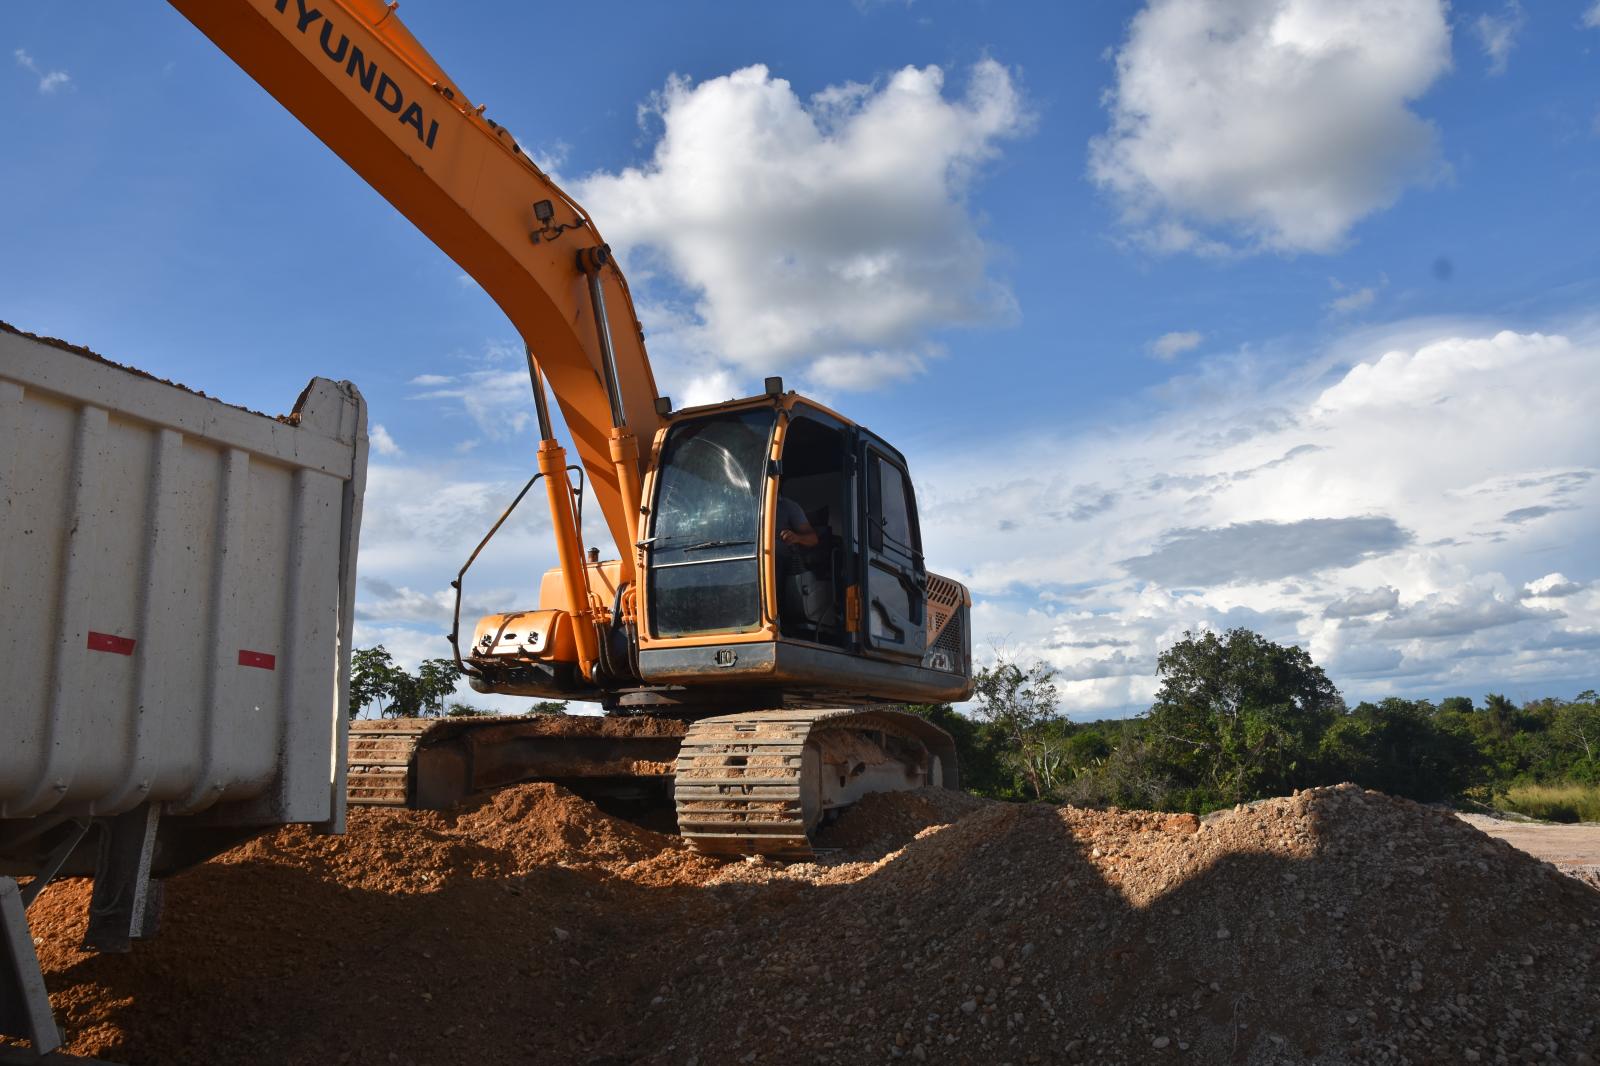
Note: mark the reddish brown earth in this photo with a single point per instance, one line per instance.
(1336, 926)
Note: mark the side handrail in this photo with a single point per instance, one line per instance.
(455, 622)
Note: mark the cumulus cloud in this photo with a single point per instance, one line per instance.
(49, 80)
(421, 520)
(1459, 612)
(1553, 586)
(863, 371)
(1362, 603)
(1362, 516)
(1268, 124)
(1403, 379)
(833, 229)
(382, 442)
(1169, 346)
(384, 601)
(1498, 34)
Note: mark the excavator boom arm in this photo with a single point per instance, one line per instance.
(352, 73)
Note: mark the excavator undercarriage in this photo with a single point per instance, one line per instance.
(754, 783)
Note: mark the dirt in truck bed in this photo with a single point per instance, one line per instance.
(80, 350)
(1335, 926)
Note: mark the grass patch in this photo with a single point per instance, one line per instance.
(1569, 802)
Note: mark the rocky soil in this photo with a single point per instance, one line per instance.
(1335, 926)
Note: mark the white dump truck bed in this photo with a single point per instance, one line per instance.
(176, 584)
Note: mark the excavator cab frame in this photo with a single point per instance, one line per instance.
(723, 608)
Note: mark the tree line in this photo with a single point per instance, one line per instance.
(1238, 717)
(382, 687)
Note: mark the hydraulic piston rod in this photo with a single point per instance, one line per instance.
(623, 444)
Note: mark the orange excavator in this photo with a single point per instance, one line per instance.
(768, 605)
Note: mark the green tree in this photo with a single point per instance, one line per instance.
(1017, 705)
(1402, 747)
(1576, 730)
(376, 679)
(373, 676)
(1238, 716)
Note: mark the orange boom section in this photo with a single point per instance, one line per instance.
(351, 72)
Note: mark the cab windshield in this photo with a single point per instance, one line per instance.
(704, 574)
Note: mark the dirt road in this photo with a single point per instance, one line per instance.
(1564, 845)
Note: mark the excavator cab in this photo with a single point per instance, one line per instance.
(711, 538)
(725, 607)
(728, 603)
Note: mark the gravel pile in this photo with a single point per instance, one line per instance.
(1336, 926)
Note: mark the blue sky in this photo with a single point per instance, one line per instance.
(1188, 313)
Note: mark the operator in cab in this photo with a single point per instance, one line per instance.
(795, 538)
(795, 534)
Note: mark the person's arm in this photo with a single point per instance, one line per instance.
(804, 537)
(797, 529)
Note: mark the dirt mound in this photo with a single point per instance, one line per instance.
(510, 834)
(1336, 926)
(887, 821)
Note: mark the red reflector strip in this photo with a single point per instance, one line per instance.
(108, 642)
(258, 659)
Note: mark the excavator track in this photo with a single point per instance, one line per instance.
(435, 763)
(379, 759)
(761, 783)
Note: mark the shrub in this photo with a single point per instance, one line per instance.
(1564, 802)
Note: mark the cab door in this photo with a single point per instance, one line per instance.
(894, 580)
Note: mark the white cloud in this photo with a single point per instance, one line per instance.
(1268, 124)
(1591, 17)
(421, 520)
(833, 229)
(1351, 298)
(1458, 612)
(1498, 34)
(712, 386)
(1363, 602)
(382, 442)
(1553, 586)
(1169, 346)
(1435, 372)
(49, 81)
(1382, 518)
(1354, 300)
(862, 371)
(495, 394)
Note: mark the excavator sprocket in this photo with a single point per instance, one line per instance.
(760, 783)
